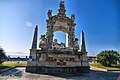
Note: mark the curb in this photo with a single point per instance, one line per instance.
(4, 70)
(113, 70)
(95, 68)
(101, 69)
(1, 71)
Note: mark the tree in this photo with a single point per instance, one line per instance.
(107, 58)
(2, 55)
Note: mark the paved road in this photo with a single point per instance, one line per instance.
(20, 74)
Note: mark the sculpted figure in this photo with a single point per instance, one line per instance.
(76, 45)
(73, 17)
(62, 6)
(62, 45)
(49, 14)
(43, 42)
(55, 44)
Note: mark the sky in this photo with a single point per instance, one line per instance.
(99, 19)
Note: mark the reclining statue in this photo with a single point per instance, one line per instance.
(56, 45)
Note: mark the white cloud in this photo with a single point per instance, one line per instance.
(28, 23)
(17, 53)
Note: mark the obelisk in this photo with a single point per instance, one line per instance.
(34, 43)
(82, 45)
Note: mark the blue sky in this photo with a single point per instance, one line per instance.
(99, 19)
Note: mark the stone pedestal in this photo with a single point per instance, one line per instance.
(58, 62)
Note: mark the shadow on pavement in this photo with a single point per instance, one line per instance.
(93, 74)
(12, 72)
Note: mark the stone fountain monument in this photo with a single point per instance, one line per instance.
(54, 57)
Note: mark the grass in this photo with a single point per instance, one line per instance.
(114, 67)
(10, 64)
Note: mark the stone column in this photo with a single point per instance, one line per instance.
(49, 38)
(67, 40)
(71, 34)
(71, 39)
(49, 34)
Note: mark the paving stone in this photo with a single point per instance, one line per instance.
(20, 74)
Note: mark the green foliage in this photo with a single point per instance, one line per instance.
(107, 58)
(117, 67)
(10, 64)
(2, 55)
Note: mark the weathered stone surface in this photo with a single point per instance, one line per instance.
(57, 57)
(42, 69)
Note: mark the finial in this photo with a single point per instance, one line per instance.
(62, 5)
(82, 31)
(61, 0)
(61, 10)
(49, 14)
(73, 17)
(36, 26)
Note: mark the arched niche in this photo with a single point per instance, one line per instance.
(60, 36)
(63, 29)
(59, 25)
